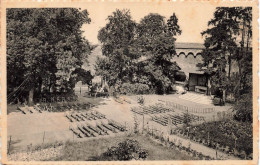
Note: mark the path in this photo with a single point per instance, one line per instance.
(201, 148)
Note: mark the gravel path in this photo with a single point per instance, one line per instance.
(39, 155)
(203, 149)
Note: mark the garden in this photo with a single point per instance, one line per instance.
(229, 136)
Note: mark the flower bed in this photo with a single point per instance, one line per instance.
(229, 136)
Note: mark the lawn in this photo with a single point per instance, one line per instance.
(91, 150)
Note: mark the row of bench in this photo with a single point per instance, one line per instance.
(176, 119)
(54, 108)
(151, 110)
(86, 130)
(57, 99)
(77, 117)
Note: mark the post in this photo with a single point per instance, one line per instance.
(208, 138)
(9, 145)
(73, 136)
(143, 121)
(43, 137)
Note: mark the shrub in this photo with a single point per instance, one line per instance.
(140, 100)
(244, 108)
(136, 88)
(126, 150)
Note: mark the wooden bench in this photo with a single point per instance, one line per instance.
(201, 89)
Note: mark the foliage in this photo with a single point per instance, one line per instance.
(186, 119)
(141, 100)
(224, 133)
(126, 150)
(138, 53)
(227, 41)
(117, 40)
(244, 107)
(156, 42)
(136, 88)
(45, 45)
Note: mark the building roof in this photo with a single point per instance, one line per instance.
(188, 45)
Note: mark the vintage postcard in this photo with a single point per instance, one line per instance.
(129, 82)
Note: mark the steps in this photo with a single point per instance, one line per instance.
(196, 98)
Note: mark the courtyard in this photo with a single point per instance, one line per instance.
(34, 128)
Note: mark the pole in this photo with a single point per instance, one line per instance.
(9, 145)
(208, 138)
(43, 137)
(73, 136)
(143, 121)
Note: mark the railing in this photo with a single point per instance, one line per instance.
(188, 109)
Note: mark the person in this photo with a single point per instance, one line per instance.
(105, 92)
(221, 96)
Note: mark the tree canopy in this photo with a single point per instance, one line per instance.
(228, 41)
(44, 45)
(138, 53)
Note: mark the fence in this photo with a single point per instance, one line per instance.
(189, 109)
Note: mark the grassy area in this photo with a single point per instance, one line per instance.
(91, 150)
(228, 133)
(12, 108)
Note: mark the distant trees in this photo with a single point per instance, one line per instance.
(138, 53)
(228, 40)
(44, 46)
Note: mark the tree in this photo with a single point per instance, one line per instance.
(45, 46)
(228, 33)
(117, 39)
(138, 54)
(156, 41)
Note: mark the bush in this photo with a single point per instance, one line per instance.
(136, 88)
(224, 133)
(126, 150)
(244, 108)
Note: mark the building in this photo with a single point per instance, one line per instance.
(188, 55)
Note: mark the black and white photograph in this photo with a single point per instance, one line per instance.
(130, 81)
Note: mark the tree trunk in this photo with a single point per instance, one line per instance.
(40, 85)
(30, 100)
(229, 66)
(224, 96)
(247, 43)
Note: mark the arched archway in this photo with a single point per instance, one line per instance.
(181, 53)
(190, 54)
(198, 54)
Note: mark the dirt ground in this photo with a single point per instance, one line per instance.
(47, 127)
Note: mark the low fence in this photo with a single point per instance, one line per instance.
(188, 109)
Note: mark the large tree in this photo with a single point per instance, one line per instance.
(156, 41)
(227, 40)
(138, 54)
(117, 39)
(44, 46)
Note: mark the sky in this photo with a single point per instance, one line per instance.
(193, 18)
